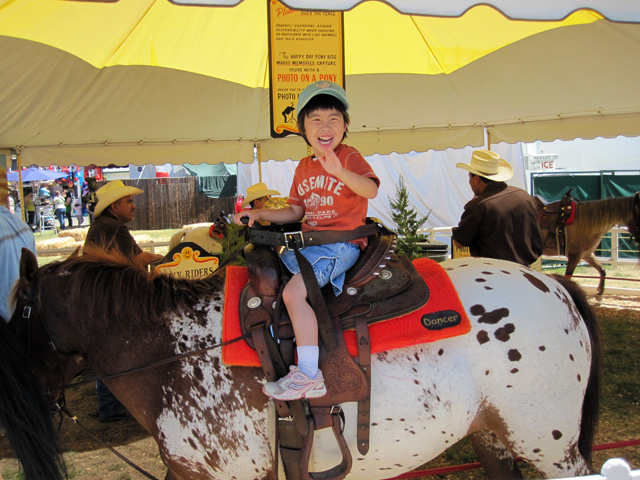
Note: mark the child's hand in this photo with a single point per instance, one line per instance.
(251, 215)
(330, 162)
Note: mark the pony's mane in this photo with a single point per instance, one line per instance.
(121, 288)
(607, 212)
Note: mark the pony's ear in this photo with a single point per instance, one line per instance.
(28, 265)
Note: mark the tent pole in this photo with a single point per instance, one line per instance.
(488, 133)
(23, 207)
(258, 157)
(4, 183)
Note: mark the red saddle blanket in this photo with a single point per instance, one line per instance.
(572, 215)
(443, 316)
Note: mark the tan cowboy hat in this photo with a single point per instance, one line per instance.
(256, 191)
(488, 164)
(112, 192)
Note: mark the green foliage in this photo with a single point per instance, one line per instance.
(12, 474)
(234, 239)
(408, 223)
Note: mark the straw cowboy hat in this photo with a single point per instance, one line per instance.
(112, 192)
(256, 191)
(488, 164)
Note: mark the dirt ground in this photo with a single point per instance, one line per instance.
(87, 459)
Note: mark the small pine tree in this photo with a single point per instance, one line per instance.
(407, 221)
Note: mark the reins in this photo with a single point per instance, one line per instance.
(164, 361)
(62, 408)
(32, 300)
(175, 358)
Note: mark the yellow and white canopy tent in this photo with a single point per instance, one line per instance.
(150, 81)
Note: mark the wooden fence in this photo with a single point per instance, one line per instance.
(174, 202)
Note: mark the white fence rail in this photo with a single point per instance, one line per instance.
(613, 258)
(65, 252)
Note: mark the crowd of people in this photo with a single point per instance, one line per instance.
(57, 202)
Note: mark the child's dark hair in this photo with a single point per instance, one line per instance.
(322, 102)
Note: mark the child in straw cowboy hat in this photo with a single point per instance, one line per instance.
(257, 196)
(500, 221)
(330, 189)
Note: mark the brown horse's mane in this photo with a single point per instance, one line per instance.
(602, 214)
(118, 288)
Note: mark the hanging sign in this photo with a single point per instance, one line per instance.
(304, 47)
(188, 260)
(459, 252)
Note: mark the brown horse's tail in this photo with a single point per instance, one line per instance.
(591, 401)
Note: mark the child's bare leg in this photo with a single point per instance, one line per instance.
(305, 325)
(303, 318)
(305, 380)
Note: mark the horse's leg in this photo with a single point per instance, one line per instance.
(572, 262)
(591, 260)
(170, 476)
(494, 457)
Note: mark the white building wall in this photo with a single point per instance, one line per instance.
(621, 153)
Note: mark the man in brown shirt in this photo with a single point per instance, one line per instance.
(115, 207)
(500, 221)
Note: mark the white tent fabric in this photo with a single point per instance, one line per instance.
(540, 9)
(164, 83)
(432, 179)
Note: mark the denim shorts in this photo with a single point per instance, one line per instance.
(329, 262)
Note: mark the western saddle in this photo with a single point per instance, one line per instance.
(380, 285)
(552, 218)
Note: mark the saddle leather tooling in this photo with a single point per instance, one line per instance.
(380, 285)
(552, 218)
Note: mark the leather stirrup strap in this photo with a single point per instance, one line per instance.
(325, 326)
(290, 444)
(274, 368)
(364, 405)
(339, 471)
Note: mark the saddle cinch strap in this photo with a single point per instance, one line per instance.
(368, 283)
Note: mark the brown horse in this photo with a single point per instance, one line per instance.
(592, 220)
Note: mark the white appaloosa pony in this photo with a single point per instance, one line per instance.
(527, 373)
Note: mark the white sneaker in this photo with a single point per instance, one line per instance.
(296, 385)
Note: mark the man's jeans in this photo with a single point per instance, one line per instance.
(108, 404)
